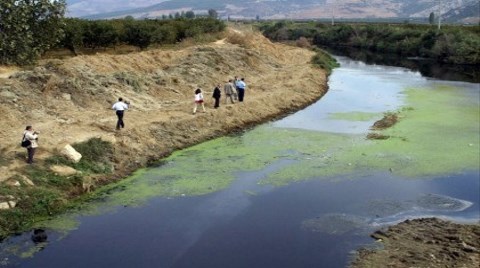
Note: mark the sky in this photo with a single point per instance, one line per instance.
(78, 8)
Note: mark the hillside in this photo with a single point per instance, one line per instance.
(69, 101)
(453, 11)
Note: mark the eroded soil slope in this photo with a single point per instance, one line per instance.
(69, 100)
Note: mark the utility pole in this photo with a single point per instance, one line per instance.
(439, 14)
(333, 12)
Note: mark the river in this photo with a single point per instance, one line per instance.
(303, 191)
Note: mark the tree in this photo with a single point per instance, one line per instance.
(139, 34)
(73, 37)
(177, 15)
(28, 28)
(212, 13)
(190, 14)
(431, 18)
(100, 34)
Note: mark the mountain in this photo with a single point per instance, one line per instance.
(452, 10)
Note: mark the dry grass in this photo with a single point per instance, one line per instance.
(244, 39)
(303, 42)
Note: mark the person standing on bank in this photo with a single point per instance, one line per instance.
(32, 136)
(235, 83)
(216, 95)
(198, 100)
(120, 108)
(229, 89)
(241, 89)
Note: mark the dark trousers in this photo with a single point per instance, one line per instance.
(31, 153)
(120, 120)
(241, 93)
(217, 103)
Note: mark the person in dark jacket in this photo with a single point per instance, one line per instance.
(216, 95)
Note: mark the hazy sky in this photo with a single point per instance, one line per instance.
(77, 8)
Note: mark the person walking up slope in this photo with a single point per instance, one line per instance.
(198, 100)
(216, 95)
(119, 108)
(229, 89)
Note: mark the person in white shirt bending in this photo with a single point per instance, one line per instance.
(120, 107)
(198, 100)
(31, 137)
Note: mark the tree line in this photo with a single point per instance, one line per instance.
(453, 44)
(29, 28)
(94, 34)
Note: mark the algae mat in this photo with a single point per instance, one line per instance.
(438, 133)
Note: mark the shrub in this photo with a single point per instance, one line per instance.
(324, 61)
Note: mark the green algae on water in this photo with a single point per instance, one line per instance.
(437, 134)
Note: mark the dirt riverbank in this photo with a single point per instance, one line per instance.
(426, 242)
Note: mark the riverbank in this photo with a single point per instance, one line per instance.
(69, 102)
(426, 242)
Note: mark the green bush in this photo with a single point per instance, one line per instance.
(96, 155)
(96, 158)
(324, 61)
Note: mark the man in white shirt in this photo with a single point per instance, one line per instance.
(241, 86)
(120, 107)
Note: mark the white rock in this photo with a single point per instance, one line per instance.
(63, 170)
(12, 204)
(7, 205)
(67, 96)
(69, 152)
(27, 181)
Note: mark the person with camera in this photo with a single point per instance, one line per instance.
(30, 136)
(120, 106)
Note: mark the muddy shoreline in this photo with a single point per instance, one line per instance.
(428, 242)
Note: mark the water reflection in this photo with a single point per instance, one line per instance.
(356, 87)
(252, 225)
(428, 68)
